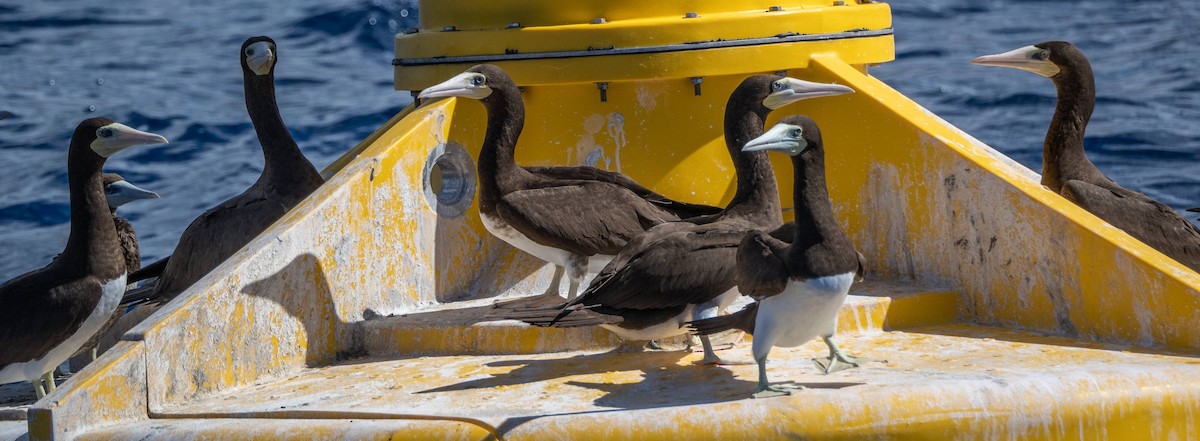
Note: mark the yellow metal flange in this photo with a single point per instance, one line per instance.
(628, 40)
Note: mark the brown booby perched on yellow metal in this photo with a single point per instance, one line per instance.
(574, 217)
(680, 271)
(47, 314)
(287, 178)
(799, 282)
(1066, 169)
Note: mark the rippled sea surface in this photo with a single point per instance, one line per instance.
(171, 67)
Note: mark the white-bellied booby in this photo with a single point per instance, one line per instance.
(799, 283)
(47, 314)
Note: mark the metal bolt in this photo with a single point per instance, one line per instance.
(513, 25)
(691, 15)
(411, 31)
(775, 9)
(696, 84)
(782, 73)
(599, 20)
(449, 28)
(839, 3)
(603, 86)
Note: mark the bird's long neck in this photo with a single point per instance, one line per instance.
(497, 157)
(814, 213)
(92, 246)
(757, 195)
(1063, 158)
(282, 157)
(819, 247)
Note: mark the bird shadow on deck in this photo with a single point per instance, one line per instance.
(469, 264)
(665, 382)
(328, 337)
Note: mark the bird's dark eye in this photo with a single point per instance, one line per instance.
(1041, 55)
(777, 86)
(476, 81)
(109, 190)
(249, 52)
(795, 133)
(104, 133)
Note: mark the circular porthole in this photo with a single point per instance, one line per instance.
(449, 179)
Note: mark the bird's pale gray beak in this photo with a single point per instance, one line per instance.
(466, 85)
(115, 137)
(260, 57)
(782, 137)
(790, 90)
(1028, 58)
(122, 192)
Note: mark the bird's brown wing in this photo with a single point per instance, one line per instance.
(761, 268)
(1149, 221)
(24, 336)
(212, 238)
(672, 265)
(682, 209)
(585, 218)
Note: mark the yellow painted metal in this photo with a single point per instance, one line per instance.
(635, 24)
(949, 381)
(922, 200)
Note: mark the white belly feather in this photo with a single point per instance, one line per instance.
(513, 237)
(33, 369)
(803, 311)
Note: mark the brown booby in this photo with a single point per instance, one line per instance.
(47, 314)
(574, 217)
(287, 178)
(1067, 171)
(681, 271)
(799, 283)
(117, 192)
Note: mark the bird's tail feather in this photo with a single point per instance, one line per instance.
(743, 320)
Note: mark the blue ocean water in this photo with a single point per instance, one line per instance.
(171, 67)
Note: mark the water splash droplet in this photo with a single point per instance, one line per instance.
(404, 13)
(51, 81)
(99, 81)
(392, 24)
(91, 108)
(372, 21)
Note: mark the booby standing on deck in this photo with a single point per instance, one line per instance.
(799, 286)
(574, 217)
(47, 314)
(681, 271)
(1066, 169)
(287, 178)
